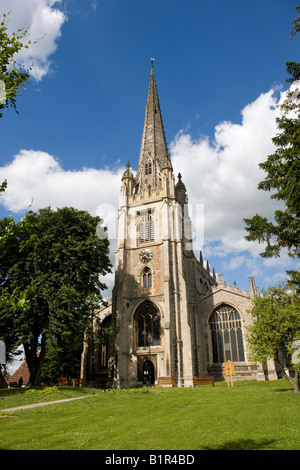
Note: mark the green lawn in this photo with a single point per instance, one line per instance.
(251, 415)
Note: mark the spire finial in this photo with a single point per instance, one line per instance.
(152, 60)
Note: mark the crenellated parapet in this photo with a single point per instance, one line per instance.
(253, 291)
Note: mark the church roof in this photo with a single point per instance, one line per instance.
(23, 372)
(153, 139)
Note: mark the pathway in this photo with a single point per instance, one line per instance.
(45, 403)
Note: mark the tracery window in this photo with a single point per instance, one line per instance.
(146, 227)
(148, 326)
(226, 335)
(146, 278)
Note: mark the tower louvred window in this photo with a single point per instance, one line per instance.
(151, 230)
(146, 227)
(148, 167)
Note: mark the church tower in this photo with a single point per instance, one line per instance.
(151, 305)
(170, 315)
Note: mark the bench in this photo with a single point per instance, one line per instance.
(166, 381)
(13, 384)
(79, 382)
(63, 381)
(203, 381)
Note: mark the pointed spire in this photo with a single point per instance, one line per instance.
(153, 139)
(207, 266)
(254, 291)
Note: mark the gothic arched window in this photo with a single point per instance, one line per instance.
(226, 335)
(148, 325)
(146, 278)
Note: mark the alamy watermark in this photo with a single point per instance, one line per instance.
(296, 354)
(2, 92)
(166, 222)
(2, 353)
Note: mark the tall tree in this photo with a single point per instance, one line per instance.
(283, 177)
(275, 332)
(56, 258)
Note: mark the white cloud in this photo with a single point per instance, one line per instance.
(235, 263)
(224, 174)
(44, 19)
(37, 178)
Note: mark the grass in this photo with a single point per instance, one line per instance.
(251, 415)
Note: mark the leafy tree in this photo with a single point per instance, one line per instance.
(3, 186)
(62, 361)
(9, 300)
(56, 258)
(296, 23)
(283, 177)
(12, 77)
(275, 332)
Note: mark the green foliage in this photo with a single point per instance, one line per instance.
(103, 330)
(3, 186)
(62, 361)
(11, 75)
(56, 258)
(296, 23)
(42, 391)
(276, 327)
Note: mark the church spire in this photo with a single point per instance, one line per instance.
(154, 156)
(153, 139)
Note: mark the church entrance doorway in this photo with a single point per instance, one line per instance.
(148, 373)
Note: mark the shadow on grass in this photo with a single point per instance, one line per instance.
(4, 392)
(282, 390)
(242, 444)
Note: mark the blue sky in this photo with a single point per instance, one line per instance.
(220, 72)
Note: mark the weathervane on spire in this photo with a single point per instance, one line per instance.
(152, 60)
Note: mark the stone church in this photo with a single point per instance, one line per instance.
(171, 316)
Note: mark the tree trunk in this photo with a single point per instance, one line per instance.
(296, 387)
(294, 382)
(35, 360)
